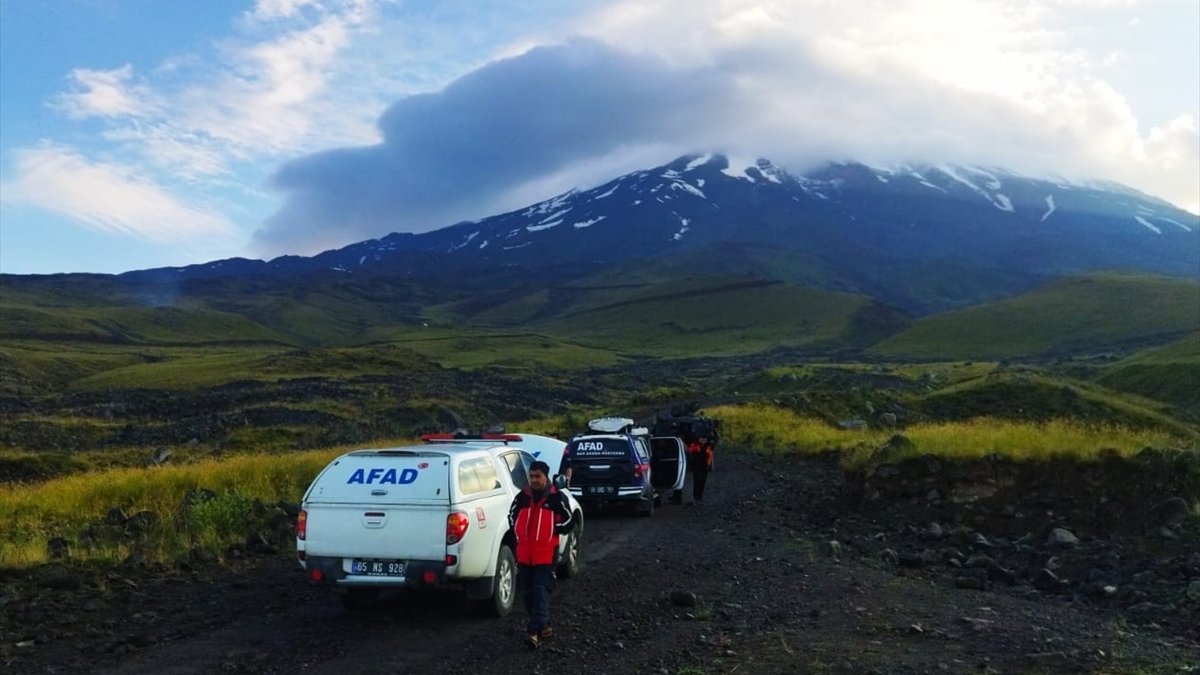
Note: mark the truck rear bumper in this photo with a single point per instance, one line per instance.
(417, 574)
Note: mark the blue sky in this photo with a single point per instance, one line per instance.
(143, 133)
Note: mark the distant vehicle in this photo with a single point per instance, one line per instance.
(689, 424)
(426, 516)
(615, 462)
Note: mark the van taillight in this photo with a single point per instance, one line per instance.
(640, 470)
(456, 527)
(302, 525)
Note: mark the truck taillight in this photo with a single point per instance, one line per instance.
(456, 527)
(640, 470)
(302, 525)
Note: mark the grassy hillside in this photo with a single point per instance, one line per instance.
(702, 317)
(1090, 313)
(1170, 373)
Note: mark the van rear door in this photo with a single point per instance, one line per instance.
(668, 462)
(380, 504)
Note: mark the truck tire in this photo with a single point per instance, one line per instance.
(569, 566)
(504, 593)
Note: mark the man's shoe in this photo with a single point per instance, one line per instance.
(533, 640)
(546, 632)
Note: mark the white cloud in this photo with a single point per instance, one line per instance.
(251, 100)
(1014, 82)
(268, 10)
(107, 197)
(104, 93)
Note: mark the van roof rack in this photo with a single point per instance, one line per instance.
(455, 437)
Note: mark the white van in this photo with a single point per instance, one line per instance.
(426, 516)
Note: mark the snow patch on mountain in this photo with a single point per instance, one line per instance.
(609, 192)
(684, 222)
(741, 173)
(1049, 207)
(1147, 224)
(455, 247)
(587, 223)
(698, 162)
(549, 205)
(546, 226)
(1183, 227)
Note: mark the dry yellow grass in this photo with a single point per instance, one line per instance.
(775, 429)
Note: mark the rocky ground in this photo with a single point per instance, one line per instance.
(791, 567)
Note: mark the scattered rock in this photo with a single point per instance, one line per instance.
(1169, 511)
(1193, 590)
(160, 456)
(140, 522)
(852, 424)
(979, 561)
(832, 548)
(969, 580)
(1061, 538)
(934, 531)
(115, 517)
(58, 549)
(683, 599)
(890, 557)
(1048, 581)
(977, 540)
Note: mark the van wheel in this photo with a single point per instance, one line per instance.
(359, 598)
(570, 563)
(504, 594)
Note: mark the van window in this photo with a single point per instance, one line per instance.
(477, 475)
(643, 454)
(516, 468)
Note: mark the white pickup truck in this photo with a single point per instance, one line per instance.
(425, 516)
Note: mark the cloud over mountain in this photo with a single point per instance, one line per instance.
(800, 82)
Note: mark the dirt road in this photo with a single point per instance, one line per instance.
(772, 595)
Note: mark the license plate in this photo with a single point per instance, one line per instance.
(601, 490)
(378, 568)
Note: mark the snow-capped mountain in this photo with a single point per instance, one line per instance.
(848, 214)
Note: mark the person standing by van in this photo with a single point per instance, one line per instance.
(537, 516)
(699, 460)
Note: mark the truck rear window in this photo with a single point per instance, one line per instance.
(598, 447)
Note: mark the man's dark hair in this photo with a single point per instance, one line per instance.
(540, 466)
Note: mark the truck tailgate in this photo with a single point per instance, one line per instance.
(380, 505)
(383, 532)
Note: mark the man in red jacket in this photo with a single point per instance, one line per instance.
(699, 463)
(538, 514)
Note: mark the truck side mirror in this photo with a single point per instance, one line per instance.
(560, 482)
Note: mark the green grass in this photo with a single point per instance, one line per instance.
(1089, 313)
(700, 317)
(473, 348)
(1170, 373)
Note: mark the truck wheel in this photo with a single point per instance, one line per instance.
(358, 598)
(570, 563)
(504, 595)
